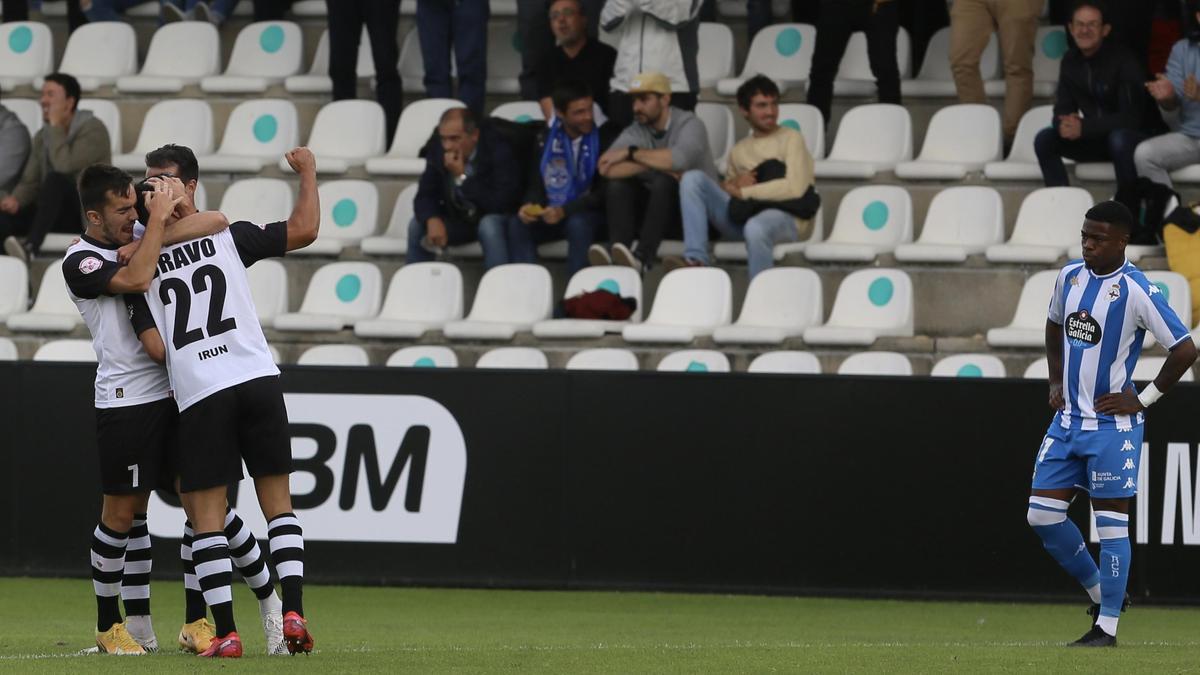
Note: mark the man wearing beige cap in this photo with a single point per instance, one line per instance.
(643, 169)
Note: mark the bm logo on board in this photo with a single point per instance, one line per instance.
(367, 468)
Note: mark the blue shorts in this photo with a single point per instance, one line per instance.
(1103, 462)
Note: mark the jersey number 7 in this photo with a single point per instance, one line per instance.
(201, 280)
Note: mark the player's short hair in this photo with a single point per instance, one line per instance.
(96, 181)
(179, 155)
(464, 114)
(568, 91)
(69, 85)
(759, 84)
(1112, 212)
(1097, 5)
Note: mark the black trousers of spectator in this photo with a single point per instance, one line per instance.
(839, 19)
(1117, 147)
(620, 106)
(346, 21)
(18, 10)
(56, 210)
(271, 10)
(533, 25)
(643, 207)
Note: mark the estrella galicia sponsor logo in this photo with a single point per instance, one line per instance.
(1082, 330)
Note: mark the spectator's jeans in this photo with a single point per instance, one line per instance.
(1157, 157)
(346, 21)
(702, 201)
(839, 20)
(56, 210)
(578, 229)
(109, 10)
(221, 9)
(658, 195)
(463, 24)
(490, 234)
(971, 26)
(1117, 147)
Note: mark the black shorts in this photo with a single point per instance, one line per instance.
(137, 446)
(246, 422)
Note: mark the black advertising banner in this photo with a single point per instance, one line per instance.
(897, 486)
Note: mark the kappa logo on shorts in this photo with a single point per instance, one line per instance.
(1083, 331)
(1128, 447)
(1129, 484)
(90, 264)
(1128, 464)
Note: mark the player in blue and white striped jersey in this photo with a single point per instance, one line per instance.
(1099, 314)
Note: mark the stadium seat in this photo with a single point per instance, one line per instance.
(1028, 327)
(737, 8)
(969, 365)
(317, 80)
(258, 200)
(53, 311)
(736, 250)
(1048, 49)
(501, 7)
(503, 58)
(1175, 288)
(935, 79)
(1147, 368)
(694, 361)
(510, 298)
(1038, 370)
(334, 355)
(319, 8)
(421, 297)
(339, 294)
(519, 111)
(854, 76)
(269, 289)
(961, 221)
(423, 356)
(180, 54)
(624, 281)
(349, 212)
(257, 134)
(690, 302)
(960, 139)
(870, 304)
(718, 120)
(870, 138)
(808, 121)
(516, 358)
(603, 359)
(1047, 225)
(412, 64)
(264, 54)
(394, 241)
(1022, 162)
(871, 220)
(780, 303)
(876, 363)
(14, 286)
(786, 362)
(782, 52)
(73, 351)
(417, 124)
(8, 349)
(200, 197)
(276, 355)
(26, 53)
(715, 59)
(183, 121)
(28, 110)
(98, 53)
(109, 114)
(345, 134)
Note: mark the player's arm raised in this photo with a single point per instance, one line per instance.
(1054, 360)
(136, 276)
(305, 221)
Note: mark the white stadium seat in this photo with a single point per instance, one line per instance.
(871, 220)
(317, 80)
(1178, 292)
(1022, 162)
(412, 64)
(780, 303)
(1038, 370)
(870, 304)
(8, 349)
(518, 358)
(269, 289)
(786, 362)
(423, 356)
(258, 200)
(26, 53)
(14, 286)
(876, 363)
(737, 8)
(257, 134)
(264, 54)
(1028, 327)
(109, 114)
(510, 298)
(183, 121)
(961, 221)
(870, 138)
(694, 361)
(349, 213)
(53, 311)
(935, 79)
(623, 281)
(338, 295)
(782, 52)
(98, 53)
(808, 121)
(201, 197)
(960, 139)
(1049, 46)
(518, 111)
(854, 76)
(603, 359)
(969, 365)
(345, 134)
(421, 297)
(718, 120)
(180, 54)
(334, 355)
(417, 124)
(71, 351)
(1047, 225)
(715, 60)
(394, 241)
(1148, 366)
(503, 58)
(28, 110)
(690, 302)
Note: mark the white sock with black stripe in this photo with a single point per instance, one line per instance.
(247, 556)
(108, 560)
(135, 583)
(287, 552)
(214, 571)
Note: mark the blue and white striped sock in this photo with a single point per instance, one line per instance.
(1064, 542)
(1115, 555)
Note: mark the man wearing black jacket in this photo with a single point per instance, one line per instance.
(470, 186)
(1099, 106)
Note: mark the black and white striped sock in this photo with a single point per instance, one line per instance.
(287, 552)
(135, 583)
(108, 559)
(247, 555)
(210, 552)
(194, 606)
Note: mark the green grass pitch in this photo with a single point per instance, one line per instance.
(389, 630)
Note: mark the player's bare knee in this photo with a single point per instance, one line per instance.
(1120, 505)
(274, 495)
(117, 511)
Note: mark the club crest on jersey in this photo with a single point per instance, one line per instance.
(1082, 330)
(1114, 293)
(89, 265)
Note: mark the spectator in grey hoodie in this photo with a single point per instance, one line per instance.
(14, 149)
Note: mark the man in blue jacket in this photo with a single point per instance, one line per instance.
(471, 184)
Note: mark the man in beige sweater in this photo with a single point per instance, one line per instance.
(703, 200)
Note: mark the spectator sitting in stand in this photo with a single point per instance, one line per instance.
(14, 149)
(1178, 95)
(575, 56)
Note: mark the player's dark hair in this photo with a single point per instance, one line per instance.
(759, 84)
(1097, 5)
(69, 85)
(464, 114)
(1113, 213)
(96, 181)
(567, 92)
(179, 155)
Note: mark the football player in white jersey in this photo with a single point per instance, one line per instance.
(1099, 314)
